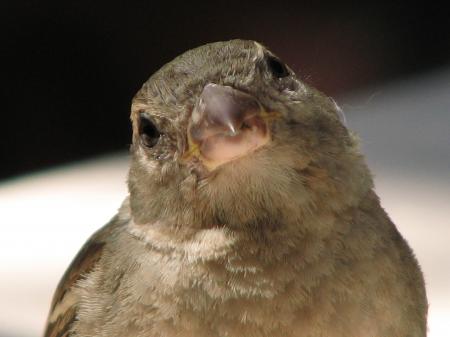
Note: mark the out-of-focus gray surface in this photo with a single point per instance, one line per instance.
(405, 127)
(405, 131)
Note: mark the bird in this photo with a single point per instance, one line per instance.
(251, 212)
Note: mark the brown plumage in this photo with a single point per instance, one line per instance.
(251, 214)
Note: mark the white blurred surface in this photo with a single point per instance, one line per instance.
(46, 217)
(405, 129)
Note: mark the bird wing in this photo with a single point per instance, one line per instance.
(64, 304)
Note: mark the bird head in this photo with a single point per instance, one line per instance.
(227, 134)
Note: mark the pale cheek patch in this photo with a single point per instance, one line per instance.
(149, 165)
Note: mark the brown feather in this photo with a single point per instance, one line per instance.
(58, 324)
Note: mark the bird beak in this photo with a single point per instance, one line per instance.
(226, 124)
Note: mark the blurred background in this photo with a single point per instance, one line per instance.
(70, 69)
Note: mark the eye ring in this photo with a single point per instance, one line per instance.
(277, 67)
(148, 132)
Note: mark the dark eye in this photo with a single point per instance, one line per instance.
(148, 131)
(276, 67)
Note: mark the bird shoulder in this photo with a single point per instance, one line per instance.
(63, 309)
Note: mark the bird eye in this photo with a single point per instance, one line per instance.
(148, 131)
(276, 67)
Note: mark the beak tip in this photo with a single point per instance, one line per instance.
(232, 128)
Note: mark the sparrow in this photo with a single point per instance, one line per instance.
(251, 213)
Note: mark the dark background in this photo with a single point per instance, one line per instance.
(70, 68)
